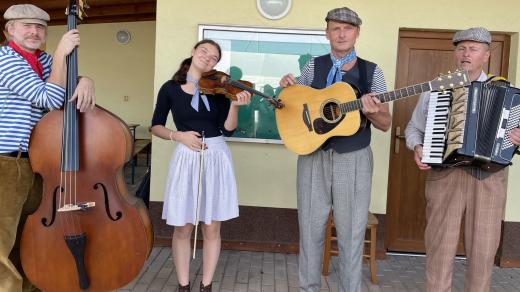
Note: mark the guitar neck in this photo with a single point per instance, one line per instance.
(387, 96)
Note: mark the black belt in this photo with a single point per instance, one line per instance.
(15, 154)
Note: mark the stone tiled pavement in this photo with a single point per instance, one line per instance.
(276, 272)
(262, 271)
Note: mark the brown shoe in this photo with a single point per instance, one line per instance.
(184, 288)
(205, 288)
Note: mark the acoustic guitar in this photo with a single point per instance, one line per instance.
(311, 116)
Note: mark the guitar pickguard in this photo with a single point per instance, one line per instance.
(322, 127)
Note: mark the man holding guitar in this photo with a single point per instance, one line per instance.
(466, 192)
(339, 173)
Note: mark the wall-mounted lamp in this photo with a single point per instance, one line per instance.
(273, 9)
(123, 36)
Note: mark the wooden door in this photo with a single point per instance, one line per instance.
(421, 57)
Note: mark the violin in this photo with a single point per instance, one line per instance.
(217, 82)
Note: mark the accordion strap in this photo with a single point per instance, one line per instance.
(494, 78)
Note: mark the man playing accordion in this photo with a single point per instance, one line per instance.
(454, 192)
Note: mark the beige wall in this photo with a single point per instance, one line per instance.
(118, 70)
(266, 173)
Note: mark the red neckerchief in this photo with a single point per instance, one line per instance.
(31, 58)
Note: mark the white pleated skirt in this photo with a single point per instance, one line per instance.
(218, 197)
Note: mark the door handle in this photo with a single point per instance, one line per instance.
(397, 137)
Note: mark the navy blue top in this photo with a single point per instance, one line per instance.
(172, 98)
(361, 77)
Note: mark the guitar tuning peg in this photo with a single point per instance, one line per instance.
(449, 72)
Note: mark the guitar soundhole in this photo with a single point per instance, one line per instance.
(330, 111)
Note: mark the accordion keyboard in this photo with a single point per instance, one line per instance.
(436, 125)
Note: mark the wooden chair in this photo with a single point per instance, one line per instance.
(369, 251)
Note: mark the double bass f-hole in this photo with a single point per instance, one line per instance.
(119, 214)
(53, 211)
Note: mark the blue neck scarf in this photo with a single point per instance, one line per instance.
(335, 72)
(196, 95)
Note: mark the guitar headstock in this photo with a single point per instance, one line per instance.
(77, 8)
(451, 80)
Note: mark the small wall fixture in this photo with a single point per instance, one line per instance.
(123, 36)
(273, 9)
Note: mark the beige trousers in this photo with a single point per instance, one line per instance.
(453, 194)
(20, 195)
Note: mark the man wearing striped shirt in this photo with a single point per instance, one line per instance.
(338, 175)
(31, 83)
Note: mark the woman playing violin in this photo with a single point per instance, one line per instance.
(194, 115)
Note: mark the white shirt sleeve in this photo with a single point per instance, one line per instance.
(415, 129)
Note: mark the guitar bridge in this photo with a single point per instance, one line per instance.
(306, 117)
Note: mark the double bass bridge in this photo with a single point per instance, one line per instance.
(77, 207)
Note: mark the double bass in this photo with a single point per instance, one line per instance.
(88, 233)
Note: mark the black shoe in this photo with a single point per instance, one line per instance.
(205, 288)
(184, 288)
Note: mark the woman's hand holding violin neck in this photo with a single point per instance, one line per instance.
(190, 139)
(243, 98)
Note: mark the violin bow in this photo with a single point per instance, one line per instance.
(199, 191)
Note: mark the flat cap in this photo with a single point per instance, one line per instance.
(27, 13)
(343, 14)
(476, 34)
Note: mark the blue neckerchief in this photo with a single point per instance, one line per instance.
(197, 95)
(334, 73)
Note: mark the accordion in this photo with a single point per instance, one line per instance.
(471, 125)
